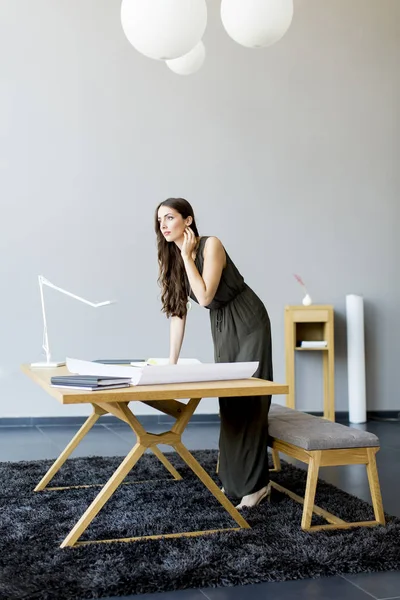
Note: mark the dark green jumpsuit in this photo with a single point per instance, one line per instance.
(241, 332)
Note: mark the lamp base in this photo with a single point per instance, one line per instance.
(47, 365)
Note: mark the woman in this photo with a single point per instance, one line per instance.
(199, 267)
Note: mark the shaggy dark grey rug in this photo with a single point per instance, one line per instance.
(32, 526)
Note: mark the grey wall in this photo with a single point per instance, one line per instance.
(289, 154)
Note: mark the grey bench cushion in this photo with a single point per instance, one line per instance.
(315, 433)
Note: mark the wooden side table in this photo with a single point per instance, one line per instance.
(311, 323)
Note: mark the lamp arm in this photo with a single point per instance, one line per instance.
(43, 281)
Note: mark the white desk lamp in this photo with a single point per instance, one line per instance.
(43, 281)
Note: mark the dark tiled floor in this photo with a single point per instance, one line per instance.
(327, 589)
(30, 443)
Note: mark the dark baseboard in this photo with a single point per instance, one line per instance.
(146, 420)
(149, 420)
(372, 415)
(340, 415)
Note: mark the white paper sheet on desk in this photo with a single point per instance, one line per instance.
(152, 375)
(165, 361)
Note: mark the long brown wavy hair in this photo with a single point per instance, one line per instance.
(172, 277)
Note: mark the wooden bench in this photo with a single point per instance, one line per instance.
(319, 443)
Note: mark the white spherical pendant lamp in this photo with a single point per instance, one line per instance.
(164, 29)
(188, 63)
(256, 23)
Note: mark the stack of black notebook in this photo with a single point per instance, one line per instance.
(89, 382)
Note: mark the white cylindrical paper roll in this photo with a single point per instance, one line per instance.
(356, 359)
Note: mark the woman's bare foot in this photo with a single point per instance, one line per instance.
(254, 499)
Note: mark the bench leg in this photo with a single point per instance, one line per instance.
(276, 461)
(311, 486)
(374, 486)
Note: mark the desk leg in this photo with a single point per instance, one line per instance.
(56, 466)
(124, 468)
(210, 484)
(149, 440)
(166, 463)
(121, 411)
(184, 453)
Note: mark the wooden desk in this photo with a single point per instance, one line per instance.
(164, 399)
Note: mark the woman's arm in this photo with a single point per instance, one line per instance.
(204, 287)
(177, 330)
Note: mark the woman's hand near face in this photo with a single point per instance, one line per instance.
(189, 243)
